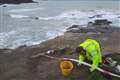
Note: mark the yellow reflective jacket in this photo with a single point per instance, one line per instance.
(93, 52)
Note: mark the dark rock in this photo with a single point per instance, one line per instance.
(15, 1)
(90, 24)
(102, 22)
(118, 16)
(99, 23)
(83, 30)
(22, 46)
(36, 18)
(99, 26)
(73, 26)
(95, 30)
(4, 6)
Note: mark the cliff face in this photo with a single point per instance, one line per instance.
(15, 1)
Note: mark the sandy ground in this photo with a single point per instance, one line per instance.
(16, 64)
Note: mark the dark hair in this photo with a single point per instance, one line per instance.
(79, 49)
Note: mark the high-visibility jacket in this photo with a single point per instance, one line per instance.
(93, 52)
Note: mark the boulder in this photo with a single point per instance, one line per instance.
(98, 26)
(95, 30)
(102, 22)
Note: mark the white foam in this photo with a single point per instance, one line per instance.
(54, 33)
(4, 36)
(68, 15)
(105, 15)
(81, 15)
(18, 16)
(22, 41)
(12, 41)
(75, 16)
(7, 40)
(24, 10)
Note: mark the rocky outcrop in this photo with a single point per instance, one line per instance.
(80, 29)
(15, 1)
(100, 23)
(98, 26)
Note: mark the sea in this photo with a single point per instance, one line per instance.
(32, 23)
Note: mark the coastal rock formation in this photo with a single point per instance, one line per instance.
(15, 1)
(98, 26)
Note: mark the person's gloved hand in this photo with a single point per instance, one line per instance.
(80, 63)
(92, 68)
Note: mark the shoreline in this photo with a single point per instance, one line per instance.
(106, 40)
(101, 30)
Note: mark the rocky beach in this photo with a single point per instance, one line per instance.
(16, 64)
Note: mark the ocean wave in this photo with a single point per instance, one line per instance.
(68, 14)
(25, 42)
(75, 14)
(18, 16)
(24, 10)
(52, 34)
(4, 36)
(83, 17)
(12, 40)
(100, 14)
